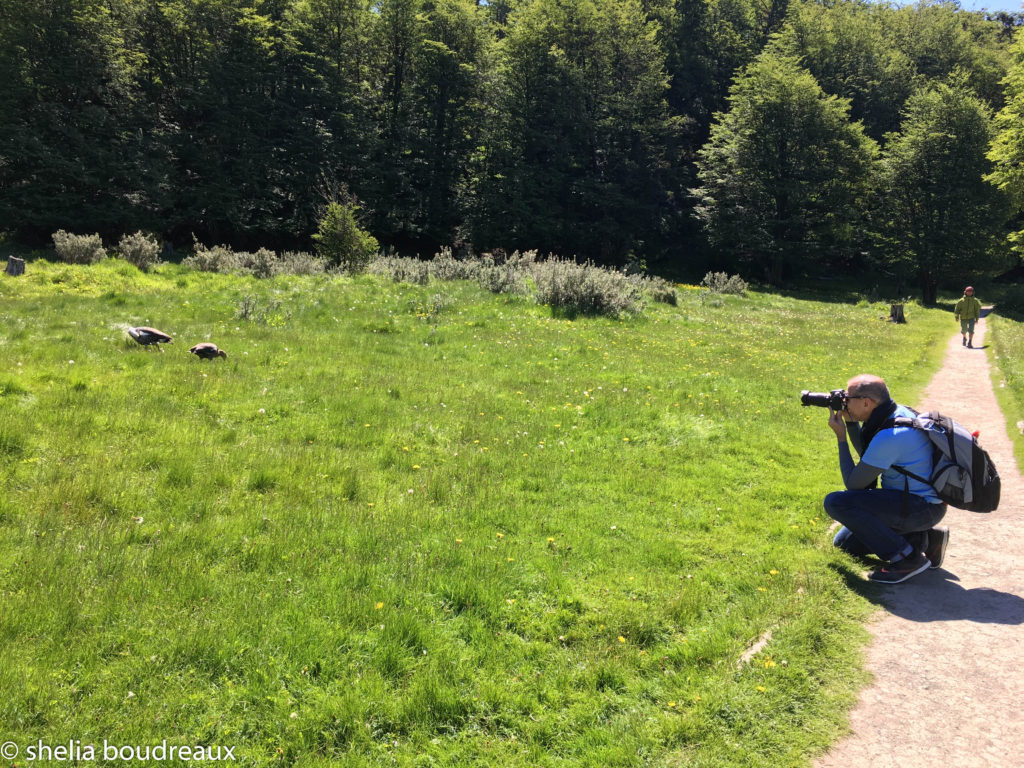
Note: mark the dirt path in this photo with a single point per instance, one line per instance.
(947, 652)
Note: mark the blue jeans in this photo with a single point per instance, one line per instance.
(875, 521)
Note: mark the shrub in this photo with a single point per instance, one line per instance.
(720, 282)
(263, 263)
(524, 260)
(585, 289)
(78, 249)
(444, 266)
(219, 258)
(340, 240)
(500, 278)
(302, 263)
(659, 289)
(401, 269)
(140, 249)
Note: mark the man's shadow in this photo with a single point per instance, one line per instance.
(936, 595)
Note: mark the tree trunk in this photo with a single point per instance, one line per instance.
(15, 266)
(929, 289)
(896, 314)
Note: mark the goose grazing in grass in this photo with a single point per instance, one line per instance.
(146, 336)
(208, 351)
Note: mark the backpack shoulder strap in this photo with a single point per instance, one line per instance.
(904, 421)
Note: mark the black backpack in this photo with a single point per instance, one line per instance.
(963, 474)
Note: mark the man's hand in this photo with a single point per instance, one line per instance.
(837, 421)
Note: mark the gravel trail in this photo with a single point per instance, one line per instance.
(947, 650)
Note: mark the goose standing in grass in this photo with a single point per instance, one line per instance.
(146, 336)
(208, 351)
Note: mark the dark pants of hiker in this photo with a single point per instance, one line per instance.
(881, 522)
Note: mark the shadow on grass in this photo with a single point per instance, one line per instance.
(936, 595)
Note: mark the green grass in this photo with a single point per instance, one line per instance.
(424, 525)
(1006, 350)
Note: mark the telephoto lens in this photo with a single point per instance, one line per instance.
(836, 399)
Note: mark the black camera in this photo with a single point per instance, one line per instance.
(836, 399)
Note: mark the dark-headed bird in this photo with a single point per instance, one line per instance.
(146, 336)
(208, 351)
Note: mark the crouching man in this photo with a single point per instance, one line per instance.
(896, 522)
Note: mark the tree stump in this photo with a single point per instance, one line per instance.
(896, 314)
(15, 266)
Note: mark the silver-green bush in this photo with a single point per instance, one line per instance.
(720, 282)
(78, 249)
(302, 263)
(585, 289)
(500, 278)
(263, 263)
(659, 289)
(401, 269)
(219, 258)
(141, 249)
(444, 266)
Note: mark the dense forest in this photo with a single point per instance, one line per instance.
(766, 135)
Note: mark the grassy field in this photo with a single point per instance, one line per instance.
(424, 525)
(1006, 346)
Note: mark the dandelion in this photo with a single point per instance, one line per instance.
(415, 466)
(671, 704)
(501, 535)
(773, 572)
(622, 639)
(378, 606)
(551, 539)
(761, 688)
(769, 664)
(458, 541)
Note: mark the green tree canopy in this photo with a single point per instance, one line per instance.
(848, 50)
(1007, 151)
(784, 172)
(575, 155)
(938, 215)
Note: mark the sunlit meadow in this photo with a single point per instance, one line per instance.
(1005, 342)
(424, 525)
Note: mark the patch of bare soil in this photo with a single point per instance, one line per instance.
(947, 650)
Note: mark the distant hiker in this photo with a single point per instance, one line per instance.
(967, 311)
(896, 522)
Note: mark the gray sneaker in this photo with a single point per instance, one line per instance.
(938, 538)
(901, 570)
